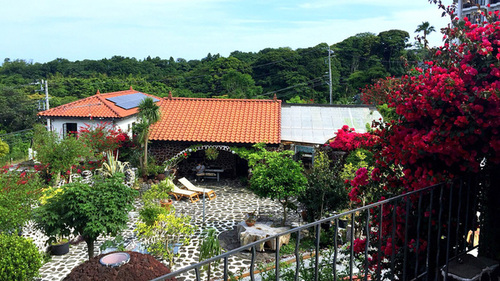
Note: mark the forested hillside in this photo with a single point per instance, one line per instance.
(299, 75)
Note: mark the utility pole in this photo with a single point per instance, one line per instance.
(47, 101)
(330, 73)
(44, 87)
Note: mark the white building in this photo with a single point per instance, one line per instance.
(469, 8)
(118, 109)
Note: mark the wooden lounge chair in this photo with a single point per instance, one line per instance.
(208, 192)
(179, 193)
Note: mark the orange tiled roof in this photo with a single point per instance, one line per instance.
(94, 106)
(218, 120)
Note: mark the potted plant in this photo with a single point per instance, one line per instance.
(159, 193)
(251, 219)
(163, 236)
(344, 220)
(149, 213)
(59, 247)
(46, 219)
(211, 153)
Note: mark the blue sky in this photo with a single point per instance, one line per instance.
(42, 31)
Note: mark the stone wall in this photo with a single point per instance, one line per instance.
(164, 150)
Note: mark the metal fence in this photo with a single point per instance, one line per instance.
(412, 236)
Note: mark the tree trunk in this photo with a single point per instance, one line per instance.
(322, 204)
(284, 204)
(146, 150)
(90, 247)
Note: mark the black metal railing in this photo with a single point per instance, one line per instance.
(412, 236)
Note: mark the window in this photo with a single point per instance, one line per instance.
(70, 129)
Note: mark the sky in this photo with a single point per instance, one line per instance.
(41, 31)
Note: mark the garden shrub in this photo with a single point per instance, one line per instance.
(19, 258)
(325, 190)
(4, 148)
(90, 211)
(150, 213)
(275, 175)
(18, 191)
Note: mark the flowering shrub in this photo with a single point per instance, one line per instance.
(102, 137)
(347, 139)
(447, 126)
(18, 191)
(378, 93)
(450, 114)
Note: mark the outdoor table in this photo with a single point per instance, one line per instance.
(215, 171)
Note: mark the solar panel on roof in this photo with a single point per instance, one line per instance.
(129, 101)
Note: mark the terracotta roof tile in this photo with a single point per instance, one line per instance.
(218, 120)
(94, 106)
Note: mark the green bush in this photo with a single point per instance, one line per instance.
(18, 192)
(149, 214)
(19, 258)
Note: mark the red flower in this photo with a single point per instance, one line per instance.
(359, 245)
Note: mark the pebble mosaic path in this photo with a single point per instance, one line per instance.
(231, 206)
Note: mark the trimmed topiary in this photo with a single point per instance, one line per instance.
(19, 258)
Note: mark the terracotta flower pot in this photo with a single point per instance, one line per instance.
(250, 222)
(166, 204)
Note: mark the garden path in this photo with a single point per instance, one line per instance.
(230, 207)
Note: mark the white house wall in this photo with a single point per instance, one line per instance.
(125, 124)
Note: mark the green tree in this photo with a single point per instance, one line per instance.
(87, 210)
(149, 113)
(17, 111)
(239, 85)
(277, 176)
(296, 99)
(59, 154)
(391, 48)
(325, 189)
(427, 29)
(4, 149)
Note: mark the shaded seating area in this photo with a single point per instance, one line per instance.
(179, 193)
(191, 187)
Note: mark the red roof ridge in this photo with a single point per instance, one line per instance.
(219, 99)
(110, 108)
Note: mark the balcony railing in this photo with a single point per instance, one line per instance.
(412, 236)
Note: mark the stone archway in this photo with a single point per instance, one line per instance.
(227, 160)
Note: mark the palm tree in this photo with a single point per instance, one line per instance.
(149, 113)
(427, 29)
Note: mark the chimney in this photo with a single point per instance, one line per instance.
(275, 98)
(169, 95)
(98, 93)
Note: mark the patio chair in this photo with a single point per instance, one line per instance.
(179, 193)
(208, 192)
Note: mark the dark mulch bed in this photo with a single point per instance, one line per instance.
(141, 267)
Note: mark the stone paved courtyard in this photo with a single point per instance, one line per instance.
(230, 207)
